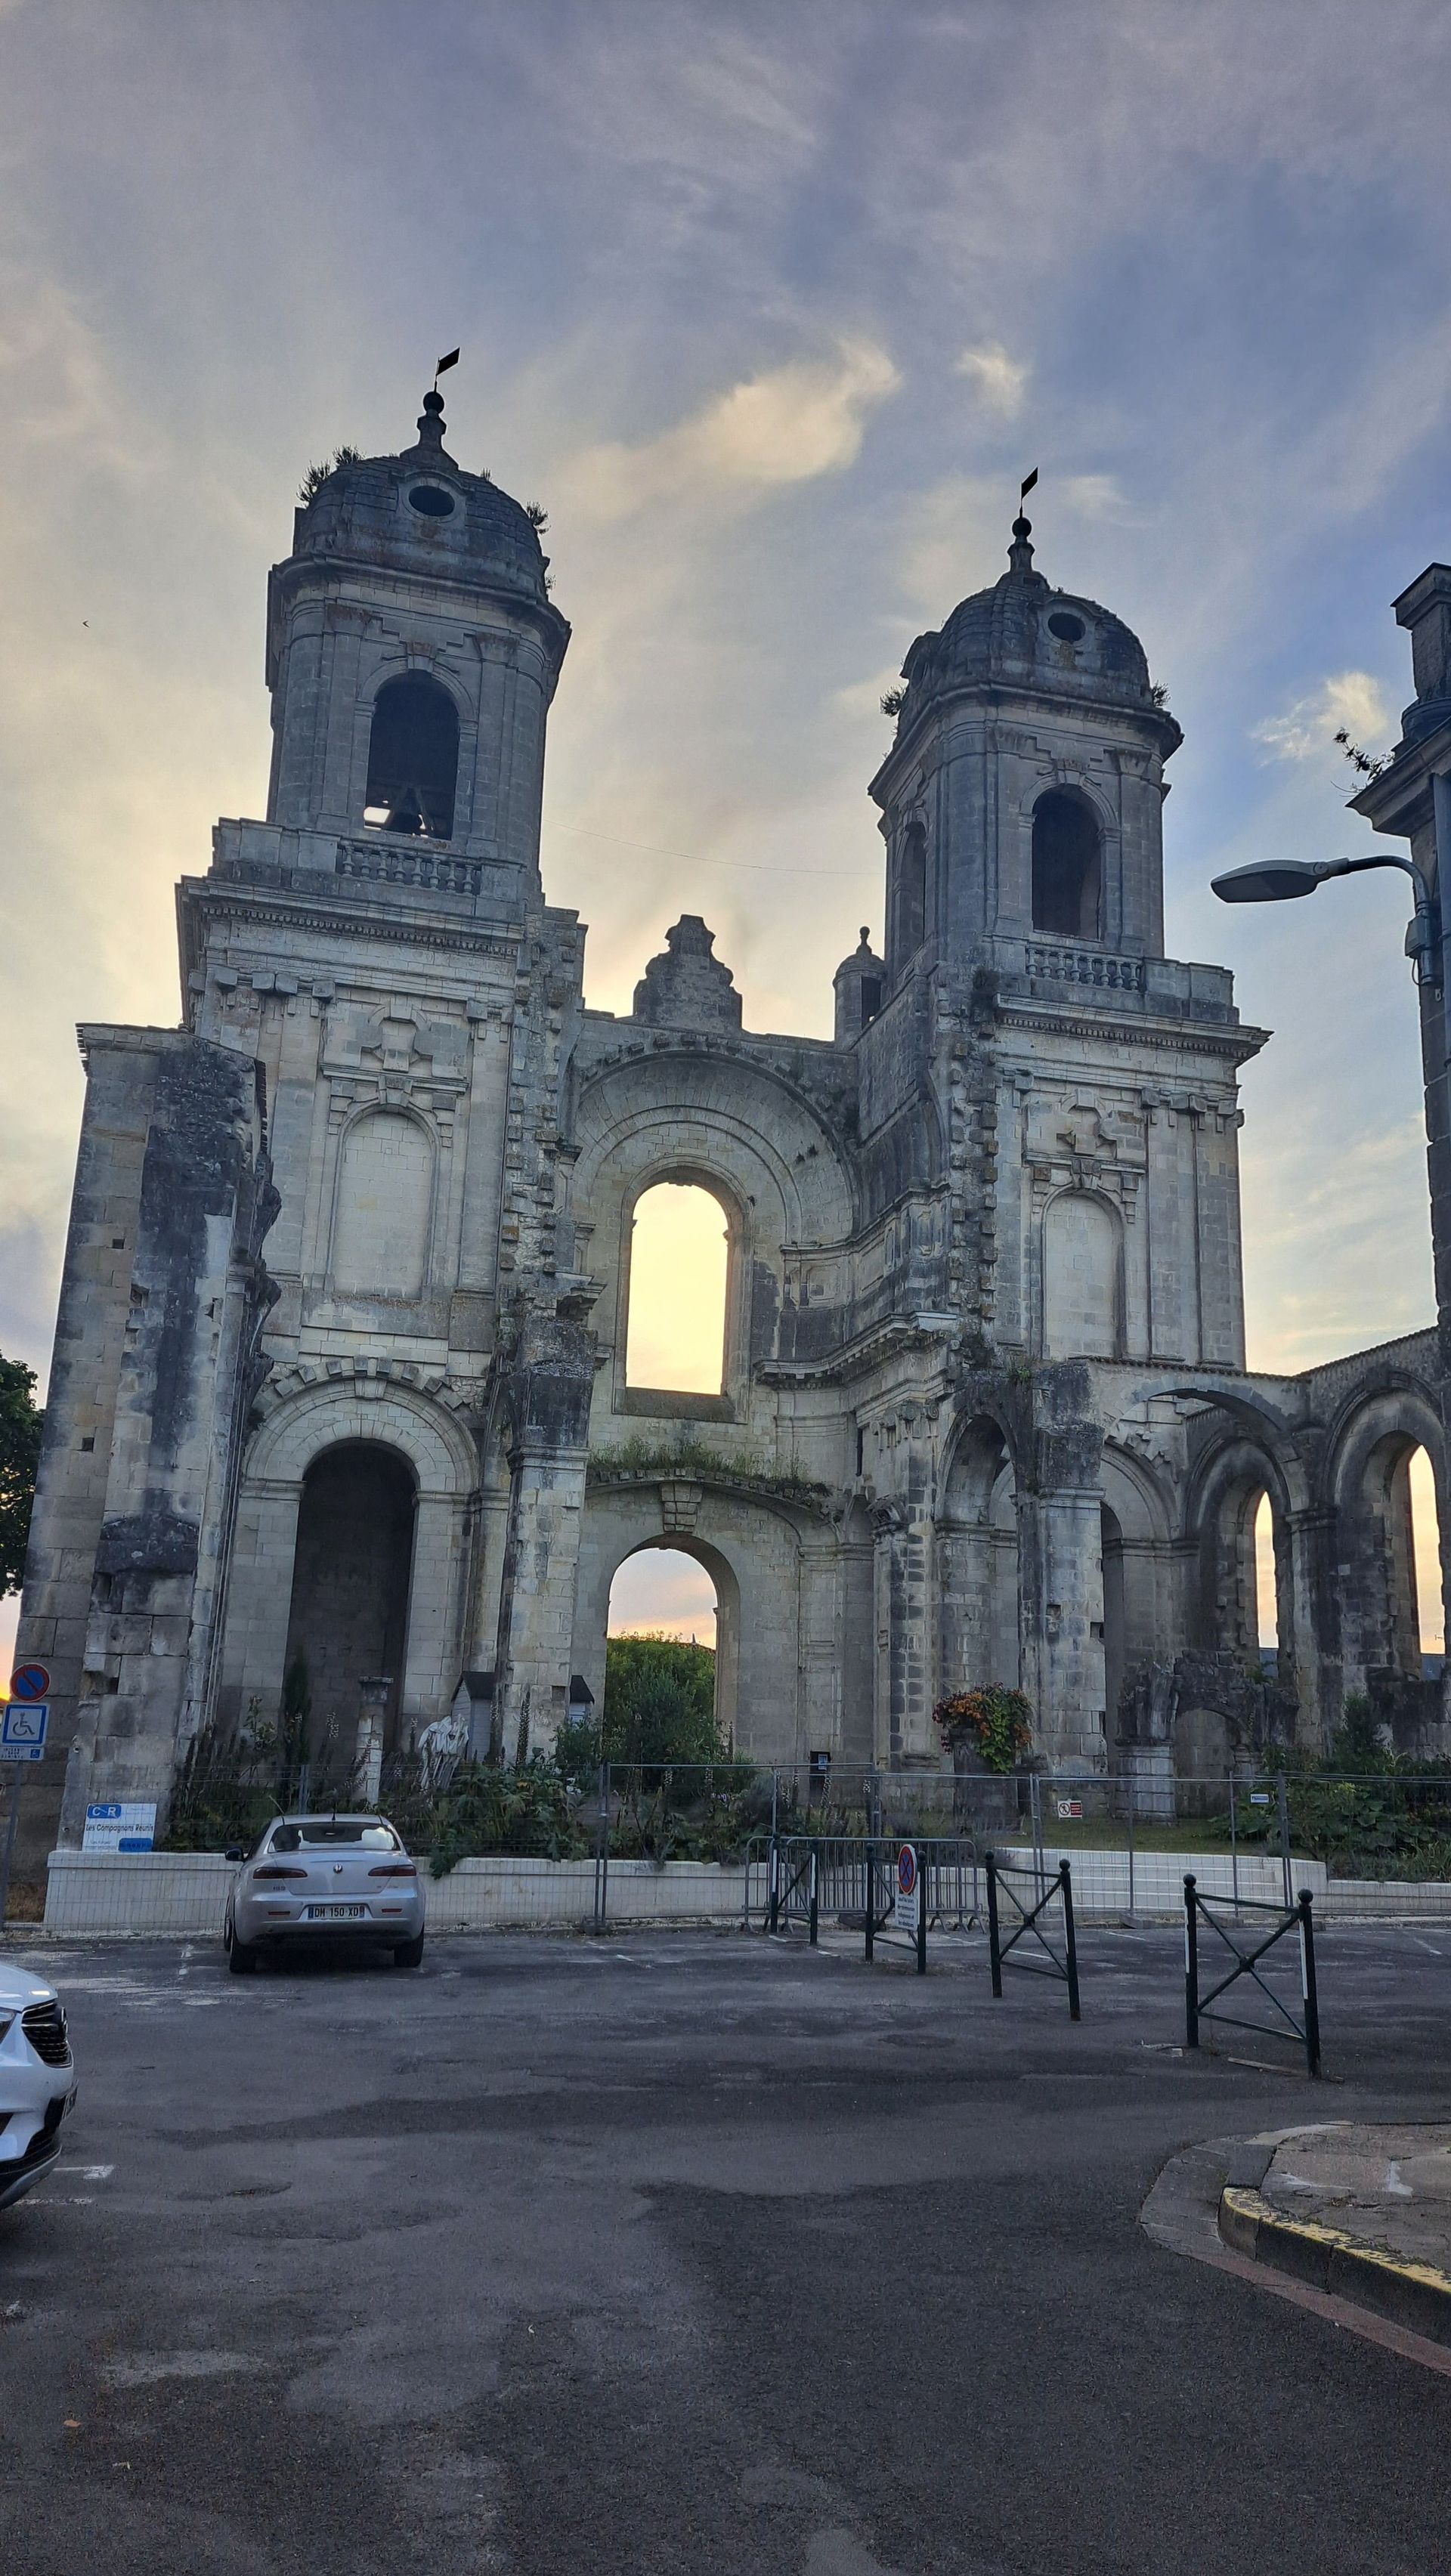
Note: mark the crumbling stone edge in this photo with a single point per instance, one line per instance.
(1414, 2295)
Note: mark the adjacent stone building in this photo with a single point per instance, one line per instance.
(341, 1355)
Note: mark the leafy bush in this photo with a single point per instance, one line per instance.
(997, 1724)
(489, 1809)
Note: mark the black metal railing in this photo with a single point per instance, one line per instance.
(1028, 1927)
(1199, 2001)
(795, 1886)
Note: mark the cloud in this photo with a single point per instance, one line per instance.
(785, 426)
(999, 381)
(1351, 701)
(1093, 496)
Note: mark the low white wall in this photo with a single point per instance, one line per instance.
(118, 1892)
(123, 1892)
(1101, 1878)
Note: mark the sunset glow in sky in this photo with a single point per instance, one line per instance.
(771, 306)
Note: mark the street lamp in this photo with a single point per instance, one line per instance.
(1284, 880)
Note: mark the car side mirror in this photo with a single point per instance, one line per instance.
(234, 1852)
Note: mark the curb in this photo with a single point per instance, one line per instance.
(1414, 2295)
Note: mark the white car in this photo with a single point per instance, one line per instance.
(37, 2080)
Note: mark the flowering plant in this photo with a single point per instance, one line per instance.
(997, 1723)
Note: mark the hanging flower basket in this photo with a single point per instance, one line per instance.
(996, 1725)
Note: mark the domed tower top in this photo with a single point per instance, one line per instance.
(412, 653)
(419, 512)
(1024, 634)
(1021, 799)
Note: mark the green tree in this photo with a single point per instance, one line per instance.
(20, 1427)
(659, 1702)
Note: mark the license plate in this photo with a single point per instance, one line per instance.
(337, 1913)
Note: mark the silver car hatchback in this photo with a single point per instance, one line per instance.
(325, 1878)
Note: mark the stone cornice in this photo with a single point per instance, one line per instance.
(1234, 1040)
(277, 910)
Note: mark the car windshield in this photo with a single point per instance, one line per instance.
(355, 1831)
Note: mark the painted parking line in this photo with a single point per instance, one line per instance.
(87, 2173)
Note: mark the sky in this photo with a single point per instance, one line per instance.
(771, 306)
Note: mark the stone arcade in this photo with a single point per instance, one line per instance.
(340, 1358)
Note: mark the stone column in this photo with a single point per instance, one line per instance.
(547, 1392)
(373, 1695)
(1060, 1585)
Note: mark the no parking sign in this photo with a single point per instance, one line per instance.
(909, 1893)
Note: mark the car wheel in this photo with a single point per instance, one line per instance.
(241, 1955)
(409, 1954)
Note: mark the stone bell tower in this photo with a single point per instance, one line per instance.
(412, 653)
(1022, 798)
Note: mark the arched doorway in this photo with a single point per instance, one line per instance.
(687, 1595)
(350, 1584)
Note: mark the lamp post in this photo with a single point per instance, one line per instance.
(1284, 880)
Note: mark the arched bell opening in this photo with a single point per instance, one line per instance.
(1067, 867)
(413, 758)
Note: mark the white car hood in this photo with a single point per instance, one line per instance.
(18, 1988)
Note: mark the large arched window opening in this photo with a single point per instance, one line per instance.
(1265, 1583)
(678, 1271)
(1426, 1555)
(1067, 867)
(350, 1580)
(413, 758)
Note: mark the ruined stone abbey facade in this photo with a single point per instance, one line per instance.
(340, 1359)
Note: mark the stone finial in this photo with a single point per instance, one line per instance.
(687, 987)
(860, 985)
(1020, 552)
(431, 423)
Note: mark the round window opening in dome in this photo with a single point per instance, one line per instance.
(430, 503)
(1069, 630)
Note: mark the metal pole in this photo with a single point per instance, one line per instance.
(1065, 1881)
(6, 1857)
(1284, 1806)
(1130, 1777)
(993, 1949)
(1035, 1797)
(773, 1884)
(811, 1904)
(1191, 1965)
(921, 1916)
(605, 1861)
(1307, 1984)
(600, 1815)
(869, 1872)
(1233, 1849)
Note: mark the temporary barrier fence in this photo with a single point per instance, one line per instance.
(1383, 1840)
(1199, 2001)
(1027, 1926)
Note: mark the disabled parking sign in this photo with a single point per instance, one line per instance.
(22, 1730)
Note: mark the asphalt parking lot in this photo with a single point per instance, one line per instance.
(695, 2252)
